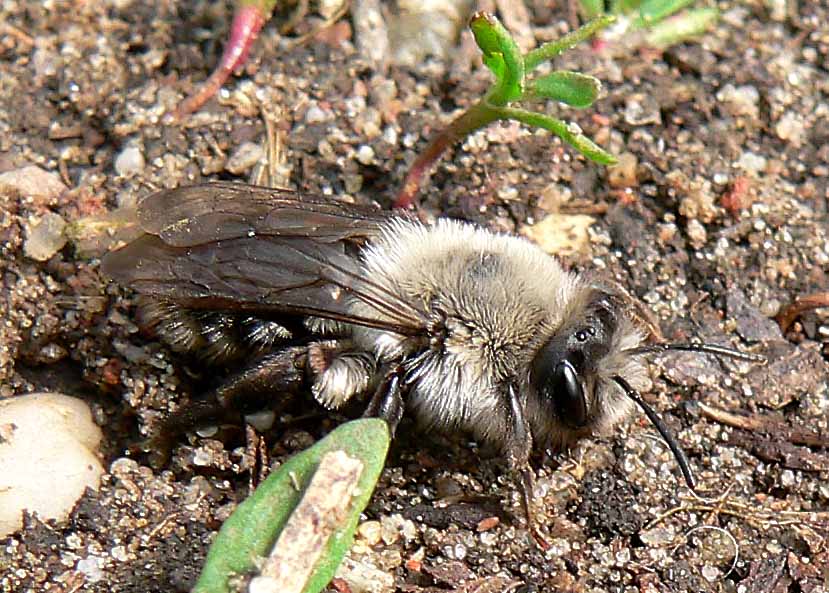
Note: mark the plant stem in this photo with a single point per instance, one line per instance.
(248, 20)
(476, 117)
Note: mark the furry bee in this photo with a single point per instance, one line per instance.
(466, 328)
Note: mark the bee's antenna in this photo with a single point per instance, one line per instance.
(704, 348)
(669, 438)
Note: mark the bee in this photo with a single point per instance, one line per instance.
(468, 329)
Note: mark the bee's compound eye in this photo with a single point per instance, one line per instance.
(569, 395)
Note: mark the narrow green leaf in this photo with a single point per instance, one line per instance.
(626, 6)
(501, 55)
(573, 88)
(591, 9)
(266, 6)
(553, 48)
(682, 27)
(570, 133)
(653, 11)
(250, 532)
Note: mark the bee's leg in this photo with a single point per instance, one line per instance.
(517, 451)
(387, 402)
(248, 391)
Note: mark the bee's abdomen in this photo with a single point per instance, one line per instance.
(213, 336)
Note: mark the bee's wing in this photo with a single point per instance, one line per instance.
(262, 251)
(197, 214)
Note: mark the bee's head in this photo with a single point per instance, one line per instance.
(585, 376)
(564, 371)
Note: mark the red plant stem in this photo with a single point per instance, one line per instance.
(247, 22)
(476, 117)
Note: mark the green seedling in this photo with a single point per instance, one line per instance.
(658, 23)
(250, 533)
(513, 85)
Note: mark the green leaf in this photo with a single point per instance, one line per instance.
(590, 9)
(573, 88)
(570, 133)
(550, 50)
(501, 55)
(654, 11)
(265, 6)
(679, 28)
(625, 6)
(250, 532)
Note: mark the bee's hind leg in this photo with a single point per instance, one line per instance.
(249, 390)
(387, 401)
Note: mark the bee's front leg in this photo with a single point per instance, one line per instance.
(387, 402)
(517, 448)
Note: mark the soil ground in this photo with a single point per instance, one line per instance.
(718, 222)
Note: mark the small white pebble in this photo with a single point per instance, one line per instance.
(752, 162)
(46, 237)
(791, 128)
(33, 181)
(130, 162)
(201, 457)
(48, 456)
(365, 154)
(370, 531)
(315, 115)
(119, 553)
(261, 421)
(390, 135)
(91, 567)
(710, 573)
(697, 234)
(208, 431)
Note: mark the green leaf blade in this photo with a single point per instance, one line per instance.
(682, 27)
(250, 532)
(591, 9)
(569, 133)
(550, 50)
(653, 11)
(572, 88)
(501, 55)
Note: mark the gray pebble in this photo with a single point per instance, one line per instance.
(244, 157)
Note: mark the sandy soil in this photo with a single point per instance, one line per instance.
(718, 222)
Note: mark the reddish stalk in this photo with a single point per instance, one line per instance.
(478, 116)
(802, 304)
(247, 22)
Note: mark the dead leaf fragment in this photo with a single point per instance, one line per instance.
(561, 234)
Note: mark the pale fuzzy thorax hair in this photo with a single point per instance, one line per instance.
(421, 259)
(497, 291)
